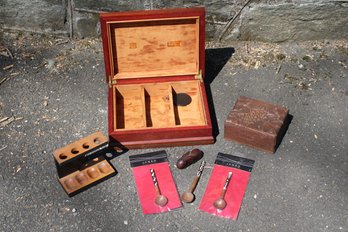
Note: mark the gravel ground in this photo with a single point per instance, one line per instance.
(55, 93)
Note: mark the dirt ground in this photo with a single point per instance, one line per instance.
(53, 92)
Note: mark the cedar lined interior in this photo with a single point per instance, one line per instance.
(151, 105)
(167, 47)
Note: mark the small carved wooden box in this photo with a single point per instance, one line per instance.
(154, 63)
(257, 124)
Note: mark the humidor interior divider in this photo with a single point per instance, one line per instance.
(175, 108)
(159, 106)
(152, 105)
(130, 107)
(192, 114)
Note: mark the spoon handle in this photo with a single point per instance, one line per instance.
(223, 192)
(193, 184)
(200, 170)
(154, 180)
(196, 178)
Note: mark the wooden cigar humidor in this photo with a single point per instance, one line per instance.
(154, 63)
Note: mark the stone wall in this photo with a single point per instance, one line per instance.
(262, 20)
(277, 23)
(40, 16)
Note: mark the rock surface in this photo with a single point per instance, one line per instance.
(43, 16)
(264, 20)
(278, 23)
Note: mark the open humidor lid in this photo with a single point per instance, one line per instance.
(156, 43)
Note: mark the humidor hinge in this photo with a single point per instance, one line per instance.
(111, 81)
(199, 75)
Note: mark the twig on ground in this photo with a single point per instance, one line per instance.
(62, 42)
(6, 120)
(7, 67)
(278, 69)
(9, 53)
(3, 80)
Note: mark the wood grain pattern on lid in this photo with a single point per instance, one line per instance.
(153, 48)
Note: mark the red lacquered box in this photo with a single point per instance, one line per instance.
(154, 63)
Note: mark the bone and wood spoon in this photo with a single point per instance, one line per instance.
(160, 199)
(220, 203)
(188, 196)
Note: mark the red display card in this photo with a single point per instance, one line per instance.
(146, 189)
(241, 169)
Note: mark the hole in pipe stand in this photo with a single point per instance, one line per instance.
(74, 151)
(93, 173)
(63, 156)
(109, 155)
(85, 145)
(70, 183)
(96, 140)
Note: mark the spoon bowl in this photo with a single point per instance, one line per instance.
(187, 197)
(220, 204)
(161, 200)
